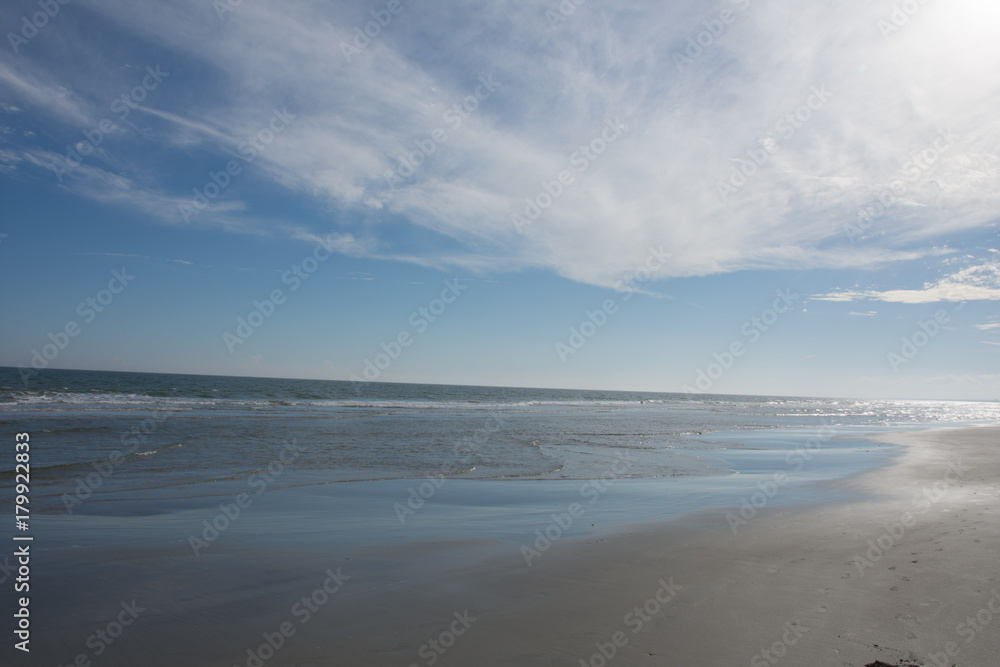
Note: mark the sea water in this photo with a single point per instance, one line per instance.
(104, 436)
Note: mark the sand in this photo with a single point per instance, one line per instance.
(906, 572)
(805, 585)
(794, 587)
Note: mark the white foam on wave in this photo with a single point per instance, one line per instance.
(883, 411)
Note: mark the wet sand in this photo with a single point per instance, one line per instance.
(905, 573)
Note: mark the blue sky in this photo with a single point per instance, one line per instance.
(622, 192)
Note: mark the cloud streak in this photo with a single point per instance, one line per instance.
(975, 283)
(658, 186)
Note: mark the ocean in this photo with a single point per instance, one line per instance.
(214, 504)
(114, 435)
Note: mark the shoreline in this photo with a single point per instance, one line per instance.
(689, 589)
(894, 577)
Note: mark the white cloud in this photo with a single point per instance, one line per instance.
(33, 87)
(974, 283)
(9, 161)
(657, 185)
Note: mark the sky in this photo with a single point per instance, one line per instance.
(745, 196)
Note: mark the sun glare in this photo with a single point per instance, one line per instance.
(964, 31)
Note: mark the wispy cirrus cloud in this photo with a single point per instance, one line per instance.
(39, 91)
(689, 128)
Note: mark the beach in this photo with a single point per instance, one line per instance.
(799, 587)
(897, 565)
(563, 334)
